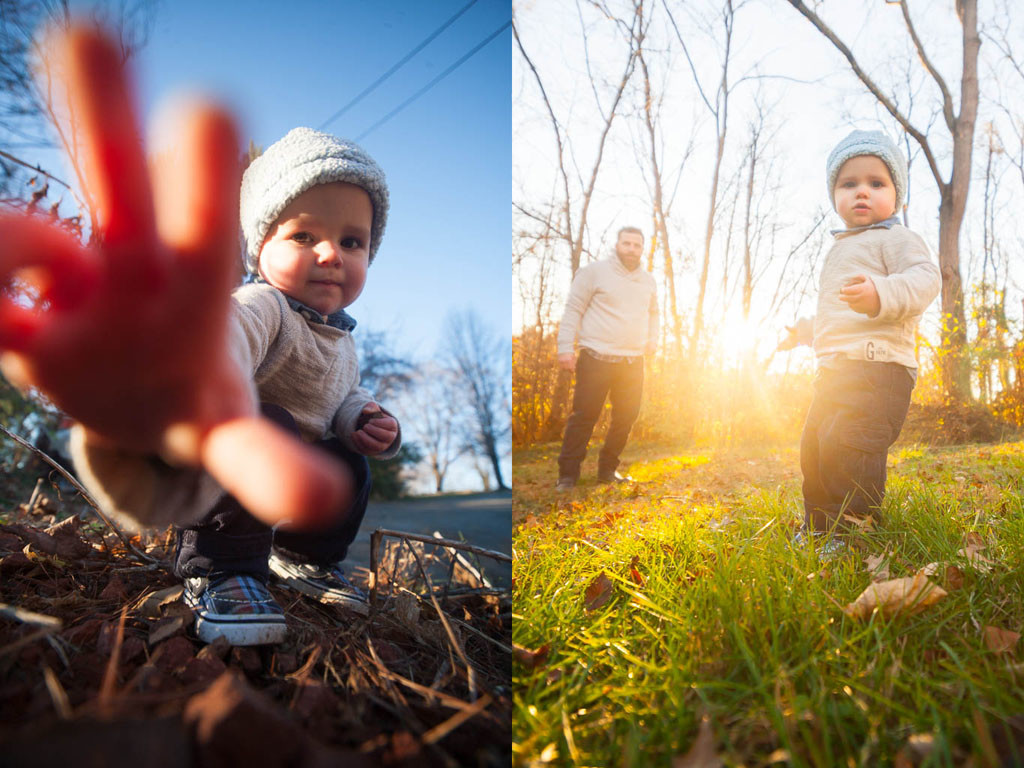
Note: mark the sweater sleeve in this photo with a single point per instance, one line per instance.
(580, 293)
(913, 280)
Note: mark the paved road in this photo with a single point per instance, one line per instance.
(484, 519)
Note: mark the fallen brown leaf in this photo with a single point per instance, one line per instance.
(531, 659)
(954, 577)
(972, 554)
(1000, 640)
(599, 592)
(702, 753)
(633, 572)
(878, 566)
(910, 594)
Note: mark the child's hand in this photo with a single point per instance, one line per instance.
(376, 430)
(791, 341)
(133, 339)
(568, 362)
(860, 293)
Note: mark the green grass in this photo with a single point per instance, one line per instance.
(729, 618)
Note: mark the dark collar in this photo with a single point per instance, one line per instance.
(341, 319)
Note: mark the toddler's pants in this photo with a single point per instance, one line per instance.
(228, 538)
(856, 414)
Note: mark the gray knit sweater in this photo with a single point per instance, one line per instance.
(308, 368)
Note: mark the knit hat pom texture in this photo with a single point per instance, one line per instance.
(302, 159)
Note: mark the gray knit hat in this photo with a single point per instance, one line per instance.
(302, 159)
(869, 143)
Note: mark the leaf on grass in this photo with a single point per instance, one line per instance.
(954, 577)
(702, 753)
(972, 554)
(930, 570)
(1000, 640)
(907, 595)
(861, 523)
(633, 572)
(599, 592)
(878, 567)
(531, 659)
(974, 539)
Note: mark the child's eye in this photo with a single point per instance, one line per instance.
(877, 184)
(351, 243)
(302, 237)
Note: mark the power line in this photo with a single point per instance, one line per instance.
(397, 66)
(435, 81)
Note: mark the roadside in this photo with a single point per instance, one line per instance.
(483, 519)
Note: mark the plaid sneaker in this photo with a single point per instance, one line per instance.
(328, 585)
(235, 606)
(827, 546)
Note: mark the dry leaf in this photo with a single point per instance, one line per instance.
(907, 595)
(633, 572)
(1000, 640)
(599, 592)
(954, 577)
(878, 567)
(702, 754)
(930, 570)
(972, 554)
(974, 540)
(531, 659)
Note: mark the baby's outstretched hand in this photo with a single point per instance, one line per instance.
(375, 430)
(131, 338)
(861, 295)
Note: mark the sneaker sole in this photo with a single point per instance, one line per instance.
(256, 629)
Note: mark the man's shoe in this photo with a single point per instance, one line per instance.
(328, 585)
(828, 546)
(614, 477)
(235, 606)
(565, 484)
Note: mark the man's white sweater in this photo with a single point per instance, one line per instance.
(611, 310)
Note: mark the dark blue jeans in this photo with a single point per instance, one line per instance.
(228, 538)
(856, 414)
(596, 380)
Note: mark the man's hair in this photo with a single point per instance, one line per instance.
(637, 230)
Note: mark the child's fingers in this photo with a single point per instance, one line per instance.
(112, 155)
(64, 277)
(274, 475)
(196, 193)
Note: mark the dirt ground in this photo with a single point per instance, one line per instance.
(98, 666)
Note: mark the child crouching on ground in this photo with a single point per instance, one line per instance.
(877, 280)
(313, 210)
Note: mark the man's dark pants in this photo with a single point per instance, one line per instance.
(229, 539)
(622, 383)
(856, 414)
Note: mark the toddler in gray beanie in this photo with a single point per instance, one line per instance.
(302, 159)
(876, 281)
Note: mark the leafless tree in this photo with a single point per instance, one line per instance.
(435, 411)
(952, 191)
(479, 362)
(718, 106)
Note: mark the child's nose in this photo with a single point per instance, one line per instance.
(328, 253)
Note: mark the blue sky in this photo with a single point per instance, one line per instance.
(447, 155)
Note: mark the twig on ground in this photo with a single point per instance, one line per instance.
(440, 731)
(106, 696)
(85, 494)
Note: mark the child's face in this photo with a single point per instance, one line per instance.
(319, 248)
(864, 193)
